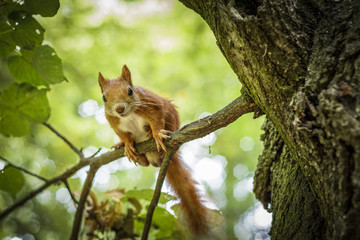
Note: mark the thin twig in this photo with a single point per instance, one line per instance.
(96, 152)
(70, 192)
(75, 149)
(105, 158)
(35, 192)
(159, 183)
(83, 197)
(22, 169)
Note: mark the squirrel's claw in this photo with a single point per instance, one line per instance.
(159, 144)
(163, 134)
(130, 152)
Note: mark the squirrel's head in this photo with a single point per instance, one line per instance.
(118, 94)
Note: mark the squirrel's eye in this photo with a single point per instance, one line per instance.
(104, 98)
(130, 92)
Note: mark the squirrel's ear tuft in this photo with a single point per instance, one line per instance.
(102, 81)
(126, 75)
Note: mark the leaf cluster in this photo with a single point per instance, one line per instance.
(122, 215)
(33, 65)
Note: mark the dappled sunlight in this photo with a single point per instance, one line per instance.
(100, 115)
(243, 188)
(262, 218)
(89, 151)
(240, 171)
(63, 196)
(254, 224)
(128, 12)
(102, 177)
(164, 43)
(44, 197)
(81, 174)
(88, 108)
(211, 171)
(247, 143)
(26, 236)
(2, 165)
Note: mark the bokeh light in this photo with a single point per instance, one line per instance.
(171, 51)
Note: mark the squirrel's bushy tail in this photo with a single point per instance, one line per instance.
(179, 178)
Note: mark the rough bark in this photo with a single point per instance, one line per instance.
(280, 181)
(299, 61)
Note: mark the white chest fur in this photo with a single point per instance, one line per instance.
(134, 124)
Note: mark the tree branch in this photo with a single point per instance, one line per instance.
(159, 183)
(23, 169)
(75, 149)
(197, 129)
(83, 197)
(70, 192)
(209, 124)
(49, 182)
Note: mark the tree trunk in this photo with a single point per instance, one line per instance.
(299, 61)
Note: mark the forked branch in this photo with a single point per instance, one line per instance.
(194, 130)
(83, 197)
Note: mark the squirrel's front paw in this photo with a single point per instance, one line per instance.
(162, 134)
(130, 152)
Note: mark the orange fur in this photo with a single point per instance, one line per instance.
(143, 115)
(179, 178)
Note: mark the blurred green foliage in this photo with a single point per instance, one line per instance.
(169, 50)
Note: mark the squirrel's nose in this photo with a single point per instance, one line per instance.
(120, 109)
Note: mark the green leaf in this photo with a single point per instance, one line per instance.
(20, 102)
(139, 225)
(177, 209)
(7, 45)
(165, 221)
(46, 8)
(44, 68)
(9, 7)
(11, 180)
(11, 124)
(48, 64)
(28, 33)
(147, 194)
(23, 71)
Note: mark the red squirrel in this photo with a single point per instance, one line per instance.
(137, 114)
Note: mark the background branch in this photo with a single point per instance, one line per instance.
(75, 149)
(81, 205)
(22, 169)
(159, 183)
(35, 192)
(102, 159)
(70, 192)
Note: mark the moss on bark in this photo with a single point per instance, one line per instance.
(299, 61)
(283, 189)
